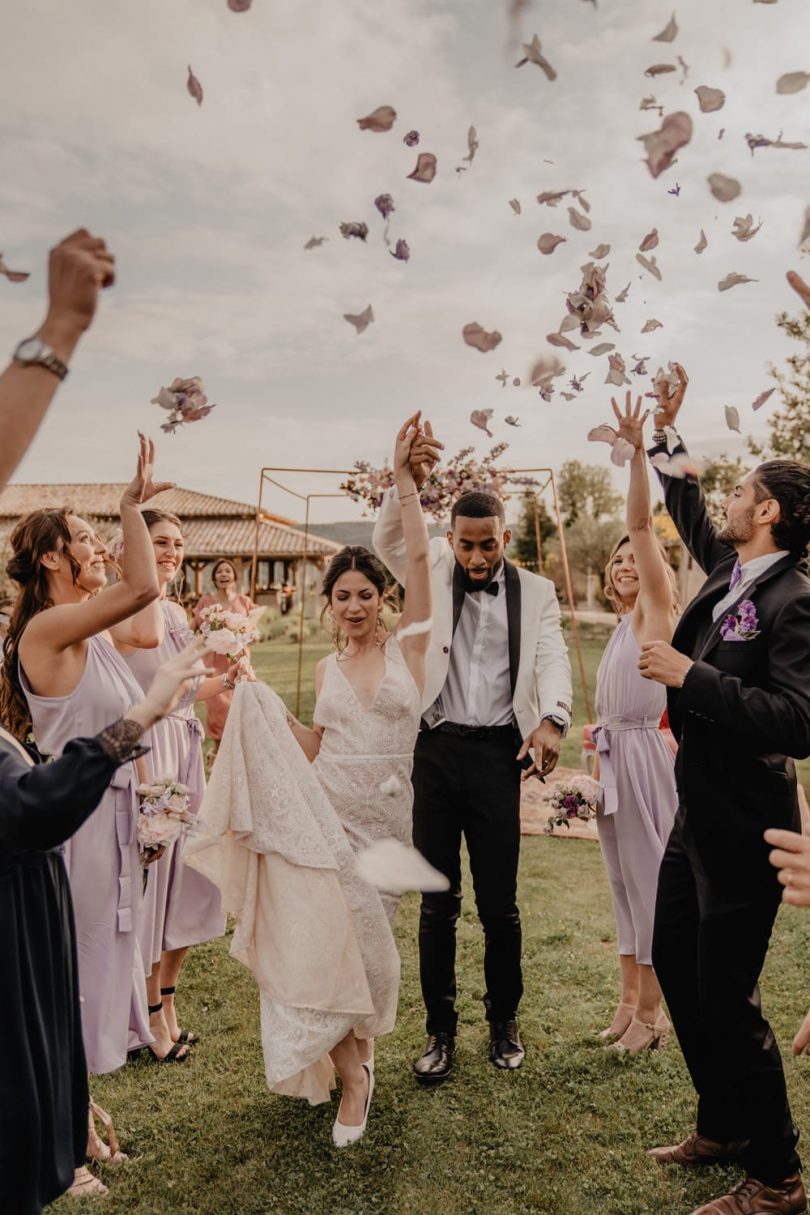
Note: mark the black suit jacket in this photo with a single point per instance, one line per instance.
(743, 712)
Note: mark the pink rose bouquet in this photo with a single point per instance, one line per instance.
(575, 798)
(226, 632)
(162, 813)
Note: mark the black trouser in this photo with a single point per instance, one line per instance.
(469, 786)
(709, 946)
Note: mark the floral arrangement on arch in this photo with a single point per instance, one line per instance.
(458, 475)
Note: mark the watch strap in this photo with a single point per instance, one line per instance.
(46, 358)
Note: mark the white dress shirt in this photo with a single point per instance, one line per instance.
(478, 689)
(748, 575)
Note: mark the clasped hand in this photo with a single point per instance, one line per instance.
(545, 742)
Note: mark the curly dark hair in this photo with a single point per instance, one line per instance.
(788, 482)
(478, 504)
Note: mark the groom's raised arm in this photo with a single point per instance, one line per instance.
(387, 538)
(686, 504)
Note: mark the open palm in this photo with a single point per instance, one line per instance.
(142, 487)
(631, 422)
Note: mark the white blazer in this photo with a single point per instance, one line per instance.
(543, 683)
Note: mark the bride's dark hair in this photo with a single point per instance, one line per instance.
(354, 557)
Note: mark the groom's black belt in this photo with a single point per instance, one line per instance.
(461, 731)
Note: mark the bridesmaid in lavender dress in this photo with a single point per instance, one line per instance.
(181, 907)
(63, 676)
(636, 768)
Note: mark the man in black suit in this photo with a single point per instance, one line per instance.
(739, 704)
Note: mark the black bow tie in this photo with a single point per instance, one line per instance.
(490, 589)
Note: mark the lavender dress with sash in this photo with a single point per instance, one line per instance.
(102, 860)
(181, 907)
(637, 775)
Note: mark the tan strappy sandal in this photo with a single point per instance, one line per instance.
(97, 1149)
(85, 1185)
(609, 1034)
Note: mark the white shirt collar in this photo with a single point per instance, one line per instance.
(758, 565)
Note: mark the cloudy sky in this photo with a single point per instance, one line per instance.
(207, 211)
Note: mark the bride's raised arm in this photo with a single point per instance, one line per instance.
(418, 603)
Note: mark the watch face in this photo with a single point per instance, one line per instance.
(29, 350)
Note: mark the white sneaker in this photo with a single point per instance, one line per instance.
(342, 1135)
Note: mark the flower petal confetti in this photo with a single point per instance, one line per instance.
(411, 139)
(358, 230)
(710, 99)
(762, 398)
(514, 203)
(379, 120)
(734, 280)
(480, 418)
(744, 228)
(724, 189)
(511, 421)
(544, 371)
(534, 54)
(601, 348)
(550, 198)
(194, 87)
(559, 339)
(661, 145)
(392, 785)
(792, 82)
(622, 296)
(621, 452)
(599, 252)
(578, 220)
(650, 241)
(396, 868)
(732, 418)
(315, 242)
(669, 33)
(676, 190)
(401, 251)
(805, 236)
(475, 335)
(360, 320)
(503, 377)
(616, 374)
(577, 383)
(548, 242)
(13, 276)
(761, 141)
(185, 400)
(425, 169)
(660, 69)
(239, 6)
(472, 145)
(702, 243)
(679, 466)
(799, 286)
(651, 325)
(589, 302)
(649, 103)
(602, 434)
(650, 264)
(640, 365)
(384, 204)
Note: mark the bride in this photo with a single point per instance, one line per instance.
(282, 823)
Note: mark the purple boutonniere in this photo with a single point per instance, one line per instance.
(742, 625)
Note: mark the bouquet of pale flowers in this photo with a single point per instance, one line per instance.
(162, 813)
(574, 798)
(227, 632)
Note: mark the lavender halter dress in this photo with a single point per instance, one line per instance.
(102, 860)
(181, 907)
(637, 774)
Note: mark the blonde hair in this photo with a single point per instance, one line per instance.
(609, 590)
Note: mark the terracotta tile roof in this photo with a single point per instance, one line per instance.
(212, 527)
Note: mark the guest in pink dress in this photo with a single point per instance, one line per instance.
(636, 768)
(227, 594)
(181, 907)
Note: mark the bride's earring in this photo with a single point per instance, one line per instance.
(380, 628)
(334, 629)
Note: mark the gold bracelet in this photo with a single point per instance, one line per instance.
(407, 496)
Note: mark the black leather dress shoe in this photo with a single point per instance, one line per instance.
(505, 1047)
(436, 1063)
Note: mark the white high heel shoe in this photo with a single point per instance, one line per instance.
(342, 1135)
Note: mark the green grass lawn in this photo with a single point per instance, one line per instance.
(563, 1136)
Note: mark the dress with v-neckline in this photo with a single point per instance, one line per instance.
(370, 707)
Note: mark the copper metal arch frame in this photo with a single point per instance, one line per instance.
(550, 482)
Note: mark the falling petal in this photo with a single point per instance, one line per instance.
(650, 241)
(545, 370)
(762, 141)
(384, 204)
(651, 325)
(661, 145)
(165, 399)
(417, 629)
(622, 296)
(568, 323)
(792, 82)
(315, 242)
(602, 348)
(514, 203)
(669, 33)
(13, 276)
(475, 335)
(548, 242)
(360, 320)
(516, 382)
(733, 418)
(660, 69)
(558, 339)
(472, 144)
(502, 378)
(616, 373)
(511, 421)
(425, 169)
(599, 252)
(396, 868)
(381, 119)
(676, 190)
(579, 195)
(805, 236)
(762, 398)
(534, 54)
(724, 189)
(411, 139)
(679, 466)
(569, 396)
(650, 264)
(194, 87)
(578, 220)
(602, 434)
(702, 243)
(480, 418)
(733, 280)
(744, 228)
(640, 366)
(550, 198)
(401, 251)
(621, 452)
(354, 229)
(649, 103)
(710, 99)
(683, 66)
(239, 6)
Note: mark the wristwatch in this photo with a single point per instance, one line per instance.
(559, 722)
(33, 352)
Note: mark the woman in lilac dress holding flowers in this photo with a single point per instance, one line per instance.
(636, 768)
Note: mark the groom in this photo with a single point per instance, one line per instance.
(739, 704)
(498, 684)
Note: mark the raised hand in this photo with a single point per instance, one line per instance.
(142, 487)
(406, 437)
(424, 454)
(668, 407)
(631, 422)
(78, 267)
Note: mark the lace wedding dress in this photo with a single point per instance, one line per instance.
(276, 835)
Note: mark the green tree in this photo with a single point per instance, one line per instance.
(719, 478)
(524, 538)
(789, 425)
(586, 490)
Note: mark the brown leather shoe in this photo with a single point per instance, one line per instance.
(696, 1151)
(752, 1197)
